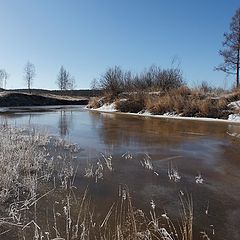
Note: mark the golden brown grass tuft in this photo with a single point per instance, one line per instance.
(94, 103)
(133, 104)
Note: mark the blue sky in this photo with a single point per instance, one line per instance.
(88, 36)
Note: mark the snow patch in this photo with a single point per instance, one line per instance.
(235, 105)
(171, 114)
(144, 113)
(234, 117)
(107, 108)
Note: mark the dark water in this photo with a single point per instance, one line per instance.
(193, 147)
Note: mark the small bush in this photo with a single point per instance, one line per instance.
(188, 105)
(133, 104)
(182, 90)
(235, 96)
(159, 105)
(94, 103)
(213, 108)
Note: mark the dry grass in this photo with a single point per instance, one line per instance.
(198, 102)
(94, 102)
(21, 161)
(133, 104)
(28, 173)
(234, 96)
(37, 173)
(78, 220)
(184, 104)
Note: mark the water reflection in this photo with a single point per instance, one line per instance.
(234, 130)
(133, 132)
(65, 121)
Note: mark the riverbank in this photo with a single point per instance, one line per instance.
(17, 99)
(111, 108)
(180, 103)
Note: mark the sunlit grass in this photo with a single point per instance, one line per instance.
(39, 199)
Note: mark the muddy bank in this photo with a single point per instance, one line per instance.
(13, 99)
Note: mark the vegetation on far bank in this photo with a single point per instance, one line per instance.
(159, 91)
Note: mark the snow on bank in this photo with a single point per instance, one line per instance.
(111, 108)
(234, 105)
(234, 117)
(107, 108)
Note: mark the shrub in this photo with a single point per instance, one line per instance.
(214, 108)
(94, 103)
(133, 104)
(116, 81)
(188, 105)
(156, 78)
(182, 90)
(112, 81)
(159, 105)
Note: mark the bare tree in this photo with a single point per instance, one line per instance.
(72, 83)
(94, 85)
(231, 48)
(29, 74)
(64, 80)
(112, 81)
(3, 78)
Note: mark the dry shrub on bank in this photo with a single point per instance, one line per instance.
(214, 108)
(181, 102)
(97, 102)
(133, 104)
(235, 96)
(173, 101)
(94, 103)
(159, 105)
(182, 91)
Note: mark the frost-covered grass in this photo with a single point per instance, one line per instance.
(30, 165)
(39, 200)
(22, 161)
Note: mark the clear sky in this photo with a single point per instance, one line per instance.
(88, 36)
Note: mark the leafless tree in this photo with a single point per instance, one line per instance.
(72, 83)
(231, 48)
(112, 81)
(3, 78)
(94, 85)
(29, 74)
(64, 80)
(116, 80)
